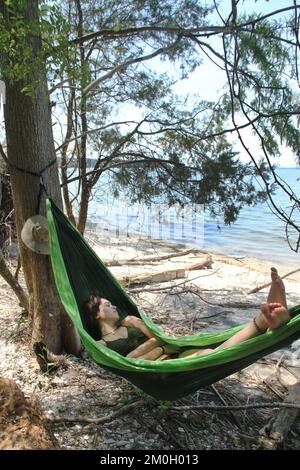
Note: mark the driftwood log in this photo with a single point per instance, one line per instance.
(148, 278)
(205, 263)
(149, 259)
(276, 431)
(163, 276)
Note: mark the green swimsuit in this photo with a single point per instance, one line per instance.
(124, 346)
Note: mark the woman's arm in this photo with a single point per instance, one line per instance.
(135, 322)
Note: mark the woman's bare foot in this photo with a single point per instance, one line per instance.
(277, 289)
(272, 316)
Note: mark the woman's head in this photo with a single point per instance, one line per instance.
(99, 310)
(107, 312)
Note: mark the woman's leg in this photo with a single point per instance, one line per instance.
(272, 315)
(146, 348)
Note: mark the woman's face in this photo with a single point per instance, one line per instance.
(107, 311)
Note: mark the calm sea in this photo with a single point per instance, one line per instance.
(258, 233)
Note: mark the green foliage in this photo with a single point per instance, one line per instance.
(26, 42)
(263, 75)
(16, 53)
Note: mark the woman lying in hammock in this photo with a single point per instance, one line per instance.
(131, 337)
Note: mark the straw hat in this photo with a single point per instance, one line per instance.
(35, 234)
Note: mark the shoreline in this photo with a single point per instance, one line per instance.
(109, 247)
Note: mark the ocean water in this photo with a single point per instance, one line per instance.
(258, 233)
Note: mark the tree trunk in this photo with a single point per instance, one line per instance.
(30, 146)
(83, 208)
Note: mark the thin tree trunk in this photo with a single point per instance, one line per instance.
(13, 283)
(64, 150)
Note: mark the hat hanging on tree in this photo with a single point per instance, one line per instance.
(35, 234)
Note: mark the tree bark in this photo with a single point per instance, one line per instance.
(30, 146)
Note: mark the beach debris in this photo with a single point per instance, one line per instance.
(150, 259)
(151, 277)
(206, 263)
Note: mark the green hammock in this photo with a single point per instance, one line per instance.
(79, 272)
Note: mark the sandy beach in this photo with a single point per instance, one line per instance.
(209, 299)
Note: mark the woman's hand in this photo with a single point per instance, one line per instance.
(132, 321)
(136, 322)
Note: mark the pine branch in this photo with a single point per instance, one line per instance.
(119, 68)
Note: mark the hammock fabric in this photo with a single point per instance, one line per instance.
(79, 273)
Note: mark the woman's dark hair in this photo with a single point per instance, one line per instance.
(90, 310)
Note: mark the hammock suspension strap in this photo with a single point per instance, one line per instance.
(39, 175)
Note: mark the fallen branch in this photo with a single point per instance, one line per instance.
(102, 420)
(241, 305)
(180, 409)
(13, 283)
(177, 409)
(133, 262)
(267, 284)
